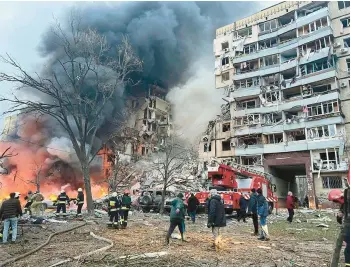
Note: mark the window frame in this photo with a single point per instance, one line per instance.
(347, 22)
(344, 4)
(222, 76)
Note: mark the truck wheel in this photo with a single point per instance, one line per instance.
(229, 211)
(146, 209)
(270, 208)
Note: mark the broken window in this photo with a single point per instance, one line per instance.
(347, 42)
(292, 93)
(225, 76)
(321, 88)
(348, 64)
(267, 43)
(246, 66)
(330, 182)
(252, 119)
(207, 147)
(250, 48)
(323, 108)
(268, 25)
(274, 138)
(271, 80)
(226, 127)
(345, 22)
(328, 160)
(243, 33)
(247, 104)
(314, 46)
(225, 45)
(343, 4)
(246, 83)
(248, 140)
(316, 66)
(286, 37)
(313, 26)
(272, 96)
(271, 118)
(269, 60)
(225, 61)
(296, 135)
(251, 160)
(226, 145)
(321, 131)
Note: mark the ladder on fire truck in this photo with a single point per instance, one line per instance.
(266, 175)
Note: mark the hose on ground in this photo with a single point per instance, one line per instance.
(89, 253)
(41, 246)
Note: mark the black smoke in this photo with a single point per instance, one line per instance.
(168, 36)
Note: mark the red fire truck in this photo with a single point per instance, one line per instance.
(231, 181)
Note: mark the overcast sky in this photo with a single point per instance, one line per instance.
(21, 27)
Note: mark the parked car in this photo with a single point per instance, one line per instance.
(49, 204)
(151, 200)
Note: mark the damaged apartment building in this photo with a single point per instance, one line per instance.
(285, 75)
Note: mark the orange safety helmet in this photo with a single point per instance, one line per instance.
(336, 195)
(126, 191)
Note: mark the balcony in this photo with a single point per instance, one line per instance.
(319, 54)
(289, 105)
(267, 129)
(323, 32)
(299, 22)
(302, 145)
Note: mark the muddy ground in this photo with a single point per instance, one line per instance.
(301, 243)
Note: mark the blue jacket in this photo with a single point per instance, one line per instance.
(177, 204)
(253, 203)
(242, 203)
(262, 206)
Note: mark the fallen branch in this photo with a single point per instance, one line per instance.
(89, 253)
(145, 255)
(41, 246)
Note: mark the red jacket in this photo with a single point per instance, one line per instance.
(290, 202)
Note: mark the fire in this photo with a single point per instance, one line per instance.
(53, 197)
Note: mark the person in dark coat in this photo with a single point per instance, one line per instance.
(216, 214)
(193, 203)
(252, 209)
(9, 212)
(62, 201)
(290, 205)
(177, 216)
(262, 212)
(243, 207)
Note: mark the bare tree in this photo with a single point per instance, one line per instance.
(40, 173)
(8, 153)
(63, 90)
(174, 163)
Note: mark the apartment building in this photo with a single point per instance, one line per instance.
(285, 73)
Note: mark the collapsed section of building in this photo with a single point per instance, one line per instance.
(284, 72)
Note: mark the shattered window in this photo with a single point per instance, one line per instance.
(225, 45)
(207, 147)
(330, 182)
(225, 145)
(225, 61)
(225, 127)
(347, 42)
(343, 4)
(348, 65)
(345, 22)
(225, 76)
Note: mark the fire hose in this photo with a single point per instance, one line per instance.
(41, 246)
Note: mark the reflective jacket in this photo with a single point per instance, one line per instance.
(114, 204)
(80, 198)
(62, 199)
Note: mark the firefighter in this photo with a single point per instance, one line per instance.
(80, 201)
(17, 195)
(28, 198)
(126, 202)
(37, 204)
(114, 205)
(62, 201)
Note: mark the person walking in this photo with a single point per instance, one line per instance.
(80, 202)
(290, 205)
(216, 215)
(193, 203)
(262, 212)
(252, 210)
(29, 200)
(62, 201)
(177, 216)
(243, 207)
(9, 213)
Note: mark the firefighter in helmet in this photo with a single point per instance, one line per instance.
(113, 210)
(29, 200)
(62, 201)
(126, 202)
(80, 201)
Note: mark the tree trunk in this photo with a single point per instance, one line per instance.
(162, 208)
(38, 187)
(338, 246)
(89, 196)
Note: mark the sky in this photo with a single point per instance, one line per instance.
(21, 27)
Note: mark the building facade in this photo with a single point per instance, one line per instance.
(285, 73)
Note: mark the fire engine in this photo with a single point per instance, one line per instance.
(231, 181)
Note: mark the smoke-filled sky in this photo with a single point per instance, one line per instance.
(173, 38)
